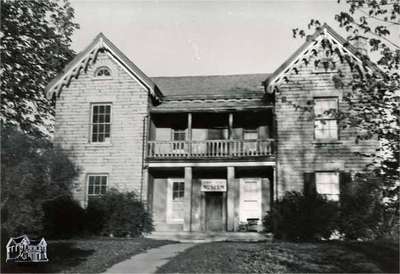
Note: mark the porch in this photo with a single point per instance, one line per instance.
(183, 136)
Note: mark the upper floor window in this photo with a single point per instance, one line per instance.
(250, 134)
(327, 184)
(178, 135)
(102, 72)
(97, 184)
(325, 123)
(100, 123)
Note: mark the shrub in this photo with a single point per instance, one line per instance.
(363, 212)
(32, 171)
(63, 218)
(300, 217)
(119, 214)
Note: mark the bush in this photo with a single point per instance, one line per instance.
(63, 218)
(118, 214)
(299, 217)
(363, 212)
(32, 171)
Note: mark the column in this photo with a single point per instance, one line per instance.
(189, 137)
(230, 134)
(187, 219)
(230, 125)
(231, 199)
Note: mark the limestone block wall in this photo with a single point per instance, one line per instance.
(122, 157)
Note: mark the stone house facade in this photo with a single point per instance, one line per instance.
(206, 153)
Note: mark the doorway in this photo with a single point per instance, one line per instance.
(214, 211)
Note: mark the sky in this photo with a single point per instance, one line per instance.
(177, 38)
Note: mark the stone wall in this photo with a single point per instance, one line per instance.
(122, 158)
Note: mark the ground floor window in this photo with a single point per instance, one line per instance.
(327, 184)
(97, 184)
(175, 200)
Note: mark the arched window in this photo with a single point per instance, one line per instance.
(103, 72)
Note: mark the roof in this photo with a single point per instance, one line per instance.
(87, 56)
(226, 86)
(309, 42)
(17, 240)
(211, 93)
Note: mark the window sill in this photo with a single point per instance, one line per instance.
(326, 142)
(108, 144)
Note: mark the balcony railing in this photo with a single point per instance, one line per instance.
(210, 148)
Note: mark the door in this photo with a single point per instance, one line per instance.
(250, 199)
(214, 217)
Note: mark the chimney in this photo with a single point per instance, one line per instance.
(360, 43)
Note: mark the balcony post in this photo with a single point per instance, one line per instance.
(230, 125)
(230, 133)
(189, 137)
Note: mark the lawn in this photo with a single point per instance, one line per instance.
(85, 255)
(272, 257)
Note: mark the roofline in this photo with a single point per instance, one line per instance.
(309, 40)
(78, 63)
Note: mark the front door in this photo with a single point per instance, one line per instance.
(214, 217)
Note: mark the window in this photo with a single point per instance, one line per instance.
(251, 145)
(250, 134)
(325, 124)
(100, 123)
(97, 185)
(178, 190)
(178, 135)
(103, 72)
(327, 184)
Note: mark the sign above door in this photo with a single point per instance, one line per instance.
(215, 185)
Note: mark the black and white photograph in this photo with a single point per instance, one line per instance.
(218, 136)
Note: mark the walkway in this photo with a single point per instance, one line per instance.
(149, 261)
(206, 237)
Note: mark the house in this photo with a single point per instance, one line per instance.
(22, 249)
(206, 153)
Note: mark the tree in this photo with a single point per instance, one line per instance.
(36, 40)
(374, 98)
(33, 172)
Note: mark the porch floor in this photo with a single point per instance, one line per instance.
(204, 237)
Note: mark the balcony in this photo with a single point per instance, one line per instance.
(210, 149)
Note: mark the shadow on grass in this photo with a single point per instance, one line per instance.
(384, 253)
(61, 256)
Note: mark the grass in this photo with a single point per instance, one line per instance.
(272, 257)
(85, 255)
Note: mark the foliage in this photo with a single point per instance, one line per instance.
(372, 95)
(36, 40)
(302, 217)
(118, 214)
(33, 171)
(362, 215)
(63, 218)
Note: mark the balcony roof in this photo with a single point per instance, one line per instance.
(211, 93)
(211, 105)
(243, 86)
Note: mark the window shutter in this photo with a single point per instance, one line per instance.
(309, 184)
(344, 181)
